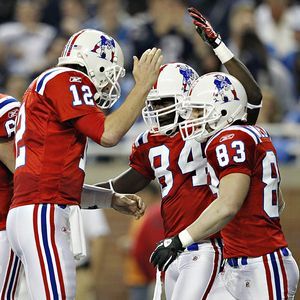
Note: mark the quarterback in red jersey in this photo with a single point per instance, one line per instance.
(10, 264)
(244, 174)
(180, 167)
(60, 110)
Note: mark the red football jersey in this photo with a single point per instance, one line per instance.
(255, 230)
(50, 152)
(180, 168)
(9, 108)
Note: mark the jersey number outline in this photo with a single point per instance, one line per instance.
(270, 174)
(20, 151)
(10, 127)
(189, 160)
(86, 93)
(223, 157)
(271, 179)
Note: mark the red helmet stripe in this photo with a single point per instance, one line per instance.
(161, 68)
(73, 42)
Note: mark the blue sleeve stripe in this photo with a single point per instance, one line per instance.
(41, 81)
(4, 103)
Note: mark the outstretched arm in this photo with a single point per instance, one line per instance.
(233, 65)
(145, 72)
(129, 181)
(233, 190)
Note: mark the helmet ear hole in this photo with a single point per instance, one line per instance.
(223, 112)
(101, 69)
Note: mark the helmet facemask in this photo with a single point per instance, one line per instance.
(107, 96)
(163, 114)
(201, 123)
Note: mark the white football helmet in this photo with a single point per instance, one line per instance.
(103, 59)
(216, 100)
(163, 104)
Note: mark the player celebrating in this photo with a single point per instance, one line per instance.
(9, 263)
(180, 168)
(59, 112)
(243, 171)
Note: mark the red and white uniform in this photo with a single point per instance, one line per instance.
(254, 243)
(50, 151)
(50, 143)
(10, 264)
(180, 168)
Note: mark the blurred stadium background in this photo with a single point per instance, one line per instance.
(264, 34)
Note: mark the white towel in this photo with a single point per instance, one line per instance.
(78, 245)
(158, 286)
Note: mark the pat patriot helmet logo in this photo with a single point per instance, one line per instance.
(105, 44)
(188, 76)
(223, 84)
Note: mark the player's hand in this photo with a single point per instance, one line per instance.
(204, 28)
(166, 252)
(146, 69)
(128, 204)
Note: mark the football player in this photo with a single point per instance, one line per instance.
(61, 108)
(244, 174)
(10, 264)
(180, 167)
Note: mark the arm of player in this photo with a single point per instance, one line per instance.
(7, 154)
(233, 190)
(93, 197)
(145, 72)
(129, 181)
(233, 65)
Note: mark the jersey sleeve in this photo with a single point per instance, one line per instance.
(9, 108)
(139, 160)
(70, 93)
(232, 151)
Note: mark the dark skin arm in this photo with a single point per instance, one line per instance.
(129, 182)
(236, 68)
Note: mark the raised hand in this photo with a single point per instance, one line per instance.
(204, 28)
(128, 204)
(166, 252)
(146, 69)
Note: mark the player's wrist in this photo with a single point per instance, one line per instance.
(215, 43)
(185, 238)
(223, 53)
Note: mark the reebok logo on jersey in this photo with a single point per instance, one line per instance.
(167, 242)
(226, 137)
(75, 79)
(13, 113)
